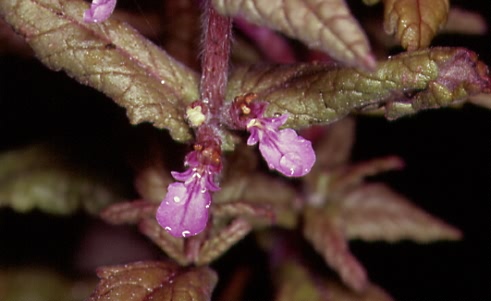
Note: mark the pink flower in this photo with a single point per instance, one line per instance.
(184, 210)
(284, 150)
(99, 10)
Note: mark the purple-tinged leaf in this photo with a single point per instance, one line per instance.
(172, 246)
(320, 24)
(274, 47)
(251, 196)
(334, 148)
(338, 292)
(154, 280)
(100, 10)
(325, 233)
(111, 57)
(462, 21)
(403, 84)
(354, 175)
(129, 212)
(247, 210)
(219, 243)
(374, 212)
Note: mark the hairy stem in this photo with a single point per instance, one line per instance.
(217, 33)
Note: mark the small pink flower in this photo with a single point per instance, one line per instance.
(184, 210)
(99, 10)
(284, 150)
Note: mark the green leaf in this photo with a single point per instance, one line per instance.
(404, 84)
(41, 177)
(41, 284)
(321, 24)
(415, 22)
(295, 283)
(111, 57)
(154, 280)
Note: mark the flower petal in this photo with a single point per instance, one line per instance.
(286, 152)
(184, 210)
(99, 10)
(254, 137)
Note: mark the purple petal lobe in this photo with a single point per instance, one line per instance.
(99, 10)
(184, 210)
(287, 152)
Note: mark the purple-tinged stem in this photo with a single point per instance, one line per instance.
(216, 42)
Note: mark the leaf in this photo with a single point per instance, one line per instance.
(153, 280)
(218, 244)
(353, 176)
(251, 196)
(334, 148)
(374, 212)
(415, 22)
(338, 292)
(172, 246)
(326, 236)
(321, 24)
(11, 43)
(111, 57)
(404, 84)
(465, 22)
(483, 100)
(41, 284)
(44, 178)
(273, 46)
(295, 283)
(129, 212)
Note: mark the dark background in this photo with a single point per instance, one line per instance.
(447, 154)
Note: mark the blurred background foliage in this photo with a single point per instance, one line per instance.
(447, 173)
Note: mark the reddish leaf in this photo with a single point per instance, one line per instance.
(465, 22)
(219, 243)
(129, 212)
(153, 280)
(334, 148)
(326, 235)
(172, 246)
(338, 292)
(374, 212)
(322, 24)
